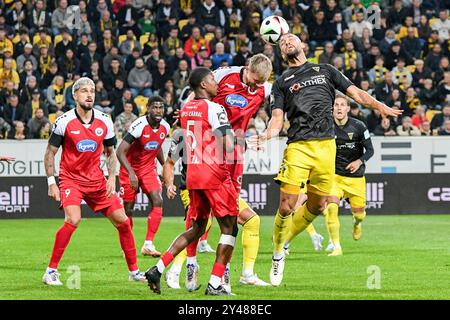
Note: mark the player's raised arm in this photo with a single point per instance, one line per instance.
(362, 97)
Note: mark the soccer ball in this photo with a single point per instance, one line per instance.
(272, 28)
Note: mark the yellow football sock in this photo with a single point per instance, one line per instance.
(311, 230)
(301, 219)
(332, 222)
(280, 231)
(250, 243)
(359, 216)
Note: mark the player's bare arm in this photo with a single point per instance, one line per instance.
(160, 156)
(49, 163)
(362, 97)
(122, 156)
(111, 161)
(168, 177)
(273, 129)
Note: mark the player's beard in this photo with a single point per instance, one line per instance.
(293, 56)
(86, 107)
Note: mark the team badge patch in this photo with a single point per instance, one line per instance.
(317, 69)
(350, 135)
(99, 132)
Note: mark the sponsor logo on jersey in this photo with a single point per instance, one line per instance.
(16, 200)
(151, 145)
(87, 146)
(236, 100)
(255, 195)
(439, 194)
(99, 132)
(316, 80)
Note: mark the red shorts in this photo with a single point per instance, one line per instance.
(72, 194)
(148, 182)
(220, 202)
(236, 173)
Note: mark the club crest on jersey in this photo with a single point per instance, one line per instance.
(87, 146)
(236, 100)
(350, 135)
(151, 145)
(162, 135)
(99, 132)
(316, 69)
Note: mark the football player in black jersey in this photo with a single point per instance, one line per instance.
(306, 93)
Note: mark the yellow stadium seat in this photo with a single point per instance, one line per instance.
(431, 113)
(52, 117)
(144, 39)
(432, 22)
(123, 37)
(182, 23)
(141, 102)
(58, 39)
(318, 52)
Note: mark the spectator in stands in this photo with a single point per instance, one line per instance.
(181, 76)
(56, 95)
(38, 17)
(445, 130)
(220, 56)
(88, 58)
(364, 43)
(425, 129)
(328, 55)
(110, 56)
(420, 74)
(18, 132)
(69, 65)
(36, 103)
(401, 73)
(386, 43)
(146, 23)
(338, 25)
(105, 23)
(116, 93)
(220, 37)
(128, 18)
(140, 80)
(354, 73)
(407, 128)
(443, 90)
(378, 73)
(85, 26)
(102, 102)
(65, 44)
(60, 18)
(208, 15)
(412, 44)
(127, 46)
(419, 117)
(95, 73)
(385, 128)
(106, 42)
(395, 99)
(70, 101)
(7, 91)
(17, 16)
(242, 55)
(131, 59)
(272, 9)
(180, 55)
(397, 15)
(19, 47)
(319, 31)
(439, 118)
(355, 112)
(7, 72)
(120, 104)
(195, 42)
(395, 54)
(36, 123)
(160, 75)
(124, 120)
(412, 102)
(434, 58)
(47, 77)
(373, 120)
(444, 66)
(4, 128)
(357, 27)
(186, 32)
(82, 46)
(350, 53)
(172, 43)
(384, 89)
(428, 96)
(14, 112)
(27, 90)
(442, 25)
(26, 55)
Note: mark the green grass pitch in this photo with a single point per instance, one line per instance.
(412, 254)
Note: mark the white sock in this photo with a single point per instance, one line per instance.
(203, 243)
(247, 273)
(215, 281)
(192, 260)
(176, 268)
(51, 270)
(135, 272)
(160, 265)
(148, 243)
(313, 235)
(278, 256)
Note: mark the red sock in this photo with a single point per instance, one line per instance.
(192, 248)
(218, 270)
(128, 245)
(131, 222)
(154, 219)
(167, 258)
(205, 235)
(61, 241)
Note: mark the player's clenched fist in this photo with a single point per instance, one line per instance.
(53, 192)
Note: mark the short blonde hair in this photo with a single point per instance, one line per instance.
(261, 65)
(347, 101)
(84, 81)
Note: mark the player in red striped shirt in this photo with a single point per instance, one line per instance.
(137, 154)
(84, 133)
(208, 137)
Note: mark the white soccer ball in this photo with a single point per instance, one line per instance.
(272, 28)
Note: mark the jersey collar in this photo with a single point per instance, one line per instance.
(81, 120)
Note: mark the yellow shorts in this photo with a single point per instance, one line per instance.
(184, 194)
(309, 163)
(353, 189)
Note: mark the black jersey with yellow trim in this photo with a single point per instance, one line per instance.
(352, 143)
(306, 94)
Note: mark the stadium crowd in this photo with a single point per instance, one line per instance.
(135, 49)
